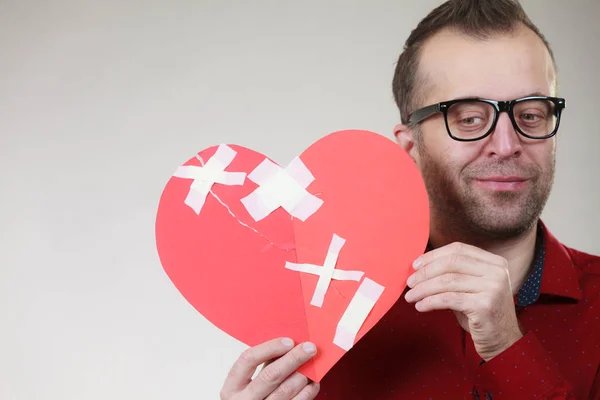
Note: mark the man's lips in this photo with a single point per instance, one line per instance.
(502, 183)
(503, 179)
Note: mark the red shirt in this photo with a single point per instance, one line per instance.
(413, 355)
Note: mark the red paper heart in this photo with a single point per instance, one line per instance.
(232, 268)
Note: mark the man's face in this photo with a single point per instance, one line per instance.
(499, 185)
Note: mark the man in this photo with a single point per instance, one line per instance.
(497, 307)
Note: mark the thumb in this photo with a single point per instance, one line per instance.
(462, 320)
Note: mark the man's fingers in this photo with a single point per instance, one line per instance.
(458, 248)
(275, 373)
(461, 302)
(241, 373)
(290, 387)
(449, 263)
(309, 392)
(266, 363)
(449, 282)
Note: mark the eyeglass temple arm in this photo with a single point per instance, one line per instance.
(423, 113)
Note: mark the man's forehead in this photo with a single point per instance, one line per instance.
(502, 66)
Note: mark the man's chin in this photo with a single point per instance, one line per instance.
(503, 222)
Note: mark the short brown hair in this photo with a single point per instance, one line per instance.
(480, 19)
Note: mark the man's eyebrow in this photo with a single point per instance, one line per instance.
(485, 97)
(536, 94)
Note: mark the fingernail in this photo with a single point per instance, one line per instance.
(417, 263)
(410, 280)
(309, 348)
(287, 342)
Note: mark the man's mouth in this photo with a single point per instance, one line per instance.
(502, 183)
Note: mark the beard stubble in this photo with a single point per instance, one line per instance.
(468, 213)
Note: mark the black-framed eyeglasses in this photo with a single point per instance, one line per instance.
(470, 119)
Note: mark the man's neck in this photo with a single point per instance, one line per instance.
(519, 252)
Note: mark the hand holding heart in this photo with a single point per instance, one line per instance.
(277, 380)
(475, 284)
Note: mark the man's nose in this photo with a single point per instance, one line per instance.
(505, 141)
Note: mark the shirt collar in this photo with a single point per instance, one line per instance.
(530, 290)
(560, 277)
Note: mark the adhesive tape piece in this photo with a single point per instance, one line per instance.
(208, 173)
(304, 268)
(265, 171)
(283, 190)
(309, 204)
(204, 177)
(278, 187)
(224, 155)
(327, 270)
(341, 275)
(256, 203)
(338, 274)
(300, 172)
(357, 312)
(221, 159)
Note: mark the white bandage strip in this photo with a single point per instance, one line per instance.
(338, 274)
(284, 188)
(206, 176)
(355, 315)
(327, 272)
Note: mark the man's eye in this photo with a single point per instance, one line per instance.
(531, 117)
(471, 120)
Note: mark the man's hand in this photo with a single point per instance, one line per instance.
(278, 380)
(474, 284)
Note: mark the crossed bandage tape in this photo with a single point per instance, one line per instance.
(286, 188)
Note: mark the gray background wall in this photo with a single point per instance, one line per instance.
(100, 100)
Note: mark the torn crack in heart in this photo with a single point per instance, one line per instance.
(230, 212)
(333, 285)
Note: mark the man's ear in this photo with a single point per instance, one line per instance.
(405, 137)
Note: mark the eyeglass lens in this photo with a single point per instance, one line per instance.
(473, 119)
